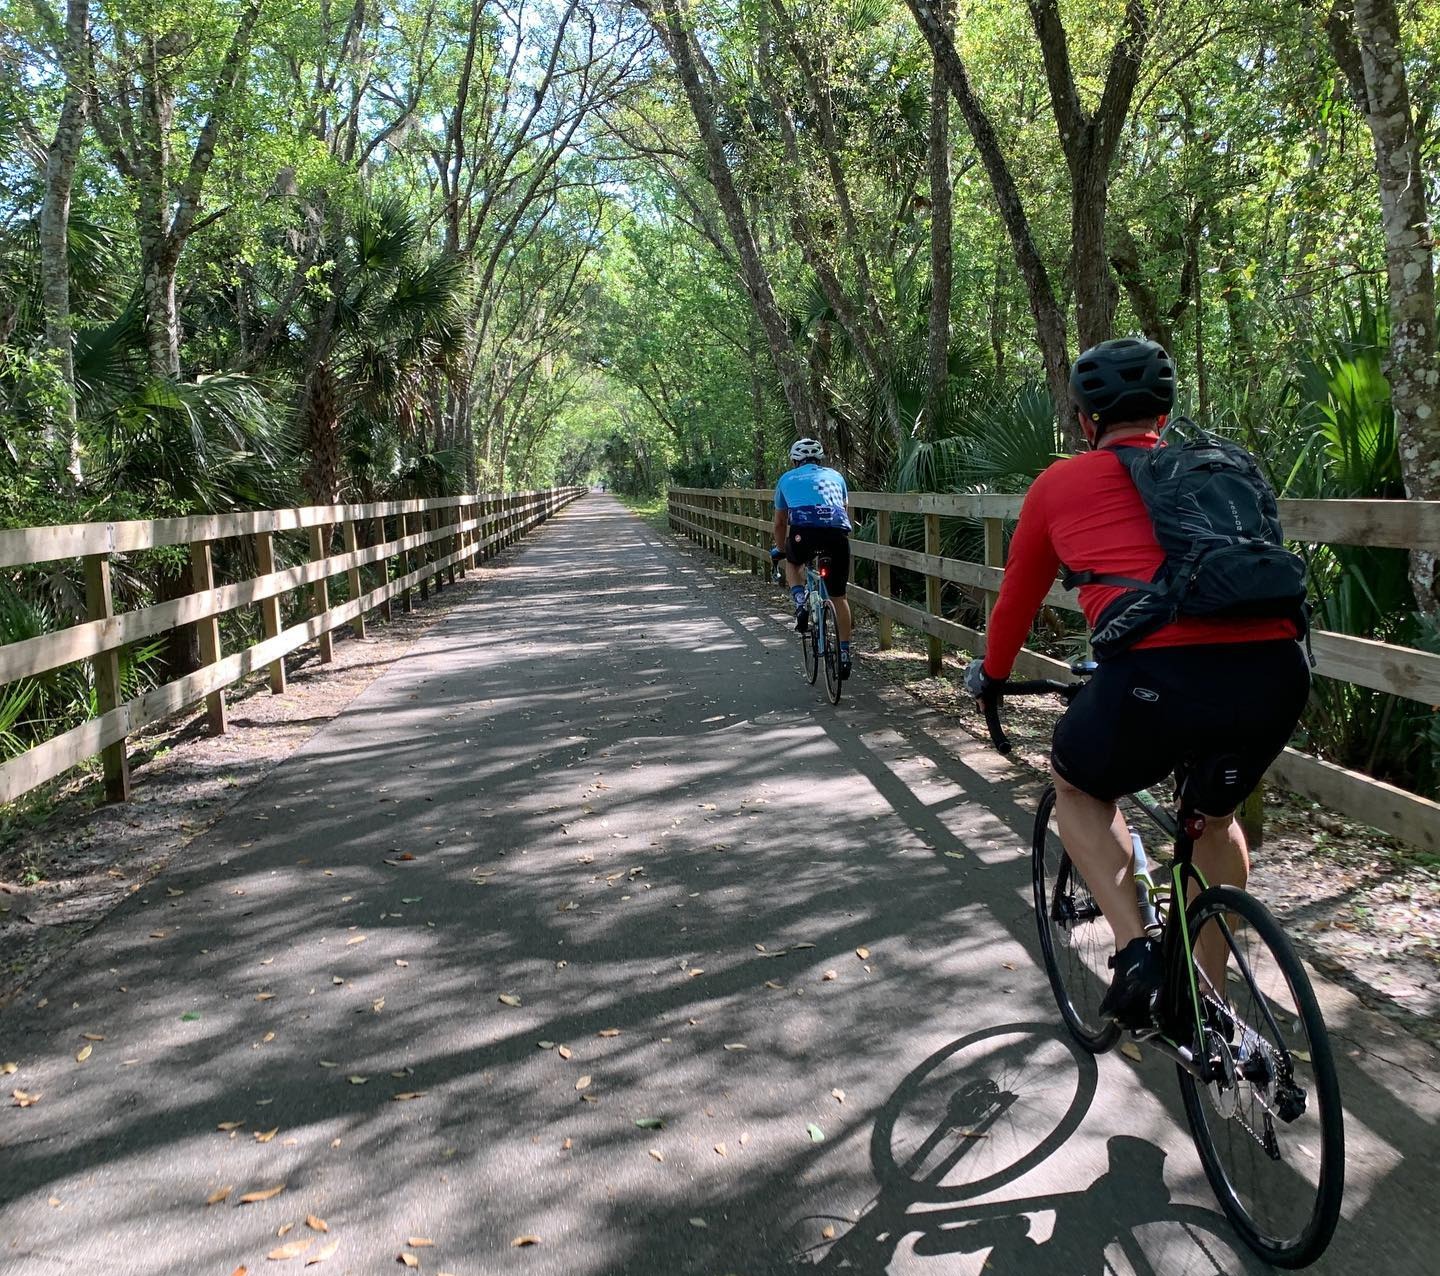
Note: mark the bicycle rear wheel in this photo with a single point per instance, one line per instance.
(1269, 1128)
(810, 646)
(831, 643)
(1075, 938)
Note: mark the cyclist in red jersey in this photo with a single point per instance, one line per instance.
(1219, 695)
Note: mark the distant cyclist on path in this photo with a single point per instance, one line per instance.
(1221, 692)
(811, 518)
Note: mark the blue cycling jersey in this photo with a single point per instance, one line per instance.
(813, 496)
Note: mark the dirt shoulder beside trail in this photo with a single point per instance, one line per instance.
(1362, 907)
(66, 866)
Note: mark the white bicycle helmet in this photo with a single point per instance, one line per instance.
(807, 450)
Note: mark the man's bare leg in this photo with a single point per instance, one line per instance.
(1097, 840)
(843, 617)
(1223, 857)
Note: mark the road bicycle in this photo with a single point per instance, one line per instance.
(820, 642)
(1255, 1065)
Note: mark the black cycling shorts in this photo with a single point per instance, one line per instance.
(803, 543)
(1221, 712)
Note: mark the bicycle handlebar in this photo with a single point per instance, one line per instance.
(1034, 687)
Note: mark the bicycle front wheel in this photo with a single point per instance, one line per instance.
(1268, 1125)
(830, 642)
(1075, 939)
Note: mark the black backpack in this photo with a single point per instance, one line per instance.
(1217, 520)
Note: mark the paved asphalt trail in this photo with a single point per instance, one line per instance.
(626, 809)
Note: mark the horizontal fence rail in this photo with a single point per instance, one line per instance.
(390, 549)
(736, 524)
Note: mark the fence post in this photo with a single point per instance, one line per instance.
(407, 562)
(934, 647)
(202, 581)
(352, 544)
(320, 590)
(452, 542)
(882, 579)
(100, 605)
(386, 610)
(270, 607)
(994, 557)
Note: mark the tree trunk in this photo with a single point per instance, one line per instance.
(1044, 308)
(942, 263)
(1368, 47)
(55, 224)
(671, 27)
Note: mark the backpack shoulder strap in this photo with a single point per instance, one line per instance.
(1130, 457)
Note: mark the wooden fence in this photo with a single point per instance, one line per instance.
(736, 523)
(399, 545)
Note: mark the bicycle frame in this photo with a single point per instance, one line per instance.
(816, 596)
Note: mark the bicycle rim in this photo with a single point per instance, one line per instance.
(831, 625)
(1075, 939)
(1280, 1181)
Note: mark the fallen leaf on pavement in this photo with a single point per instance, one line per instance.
(583, 1083)
(736, 1045)
(698, 1222)
(219, 1194)
(401, 962)
(838, 1095)
(407, 1094)
(817, 1135)
(229, 1125)
(831, 974)
(356, 939)
(1131, 1051)
(565, 1052)
(92, 1036)
(657, 1154)
(263, 1194)
(650, 1123)
(316, 1224)
(795, 948)
(720, 1150)
(863, 954)
(608, 1032)
(357, 1080)
(509, 999)
(264, 996)
(321, 1254)
(266, 1135)
(828, 1232)
(24, 1098)
(545, 1045)
(291, 1249)
(328, 1063)
(9, 1068)
(84, 1053)
(744, 1139)
(521, 1241)
(419, 1242)
(566, 1146)
(377, 1005)
(408, 1259)
(695, 972)
(240, 1271)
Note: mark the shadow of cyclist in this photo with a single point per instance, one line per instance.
(927, 1186)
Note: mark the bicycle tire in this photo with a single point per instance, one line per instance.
(1300, 1242)
(830, 623)
(810, 647)
(1074, 947)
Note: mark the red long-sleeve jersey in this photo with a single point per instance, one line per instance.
(1086, 513)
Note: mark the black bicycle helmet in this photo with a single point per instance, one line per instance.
(1127, 379)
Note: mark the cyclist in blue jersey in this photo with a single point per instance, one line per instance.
(811, 518)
